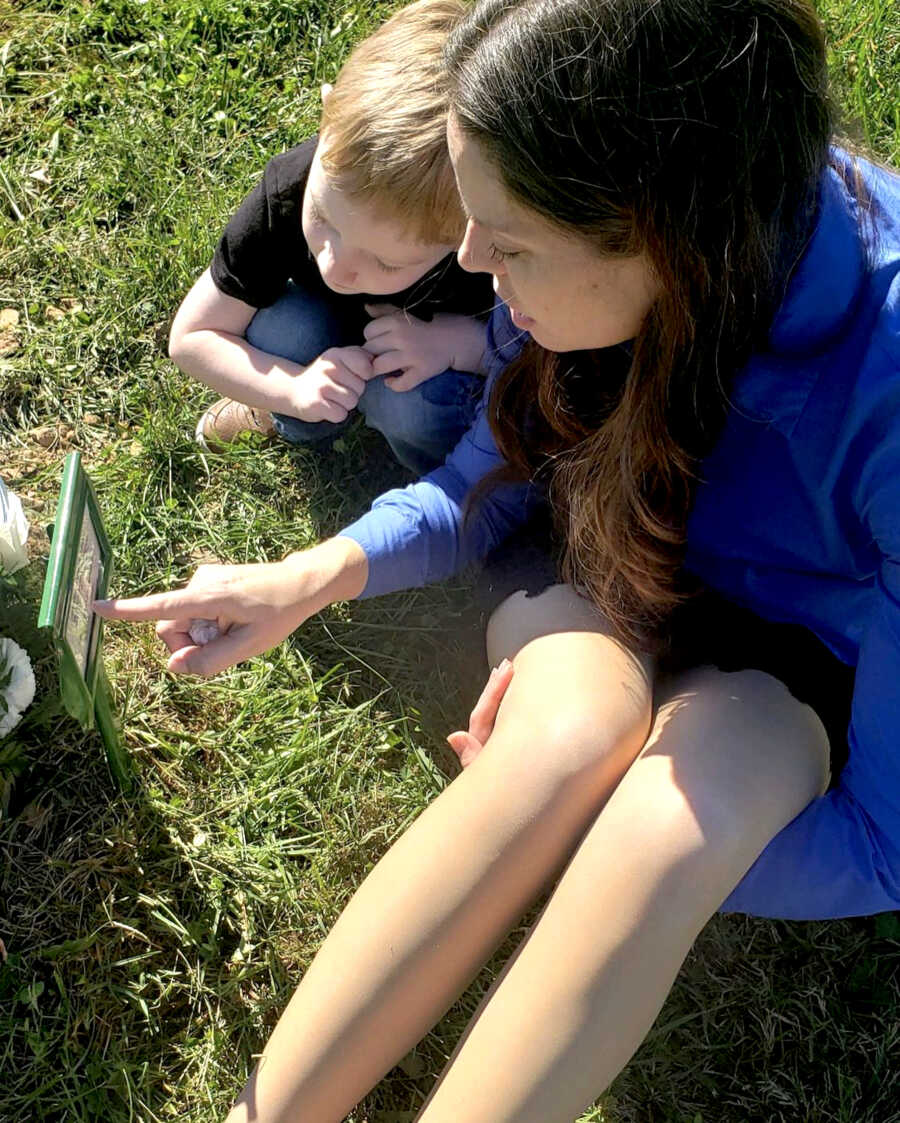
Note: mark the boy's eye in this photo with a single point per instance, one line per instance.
(498, 255)
(388, 268)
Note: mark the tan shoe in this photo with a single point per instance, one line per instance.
(224, 422)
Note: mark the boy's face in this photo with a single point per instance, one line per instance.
(355, 249)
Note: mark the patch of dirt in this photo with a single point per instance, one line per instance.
(25, 468)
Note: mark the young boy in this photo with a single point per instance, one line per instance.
(290, 320)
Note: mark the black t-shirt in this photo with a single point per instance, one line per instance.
(263, 247)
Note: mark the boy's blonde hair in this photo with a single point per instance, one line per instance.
(384, 124)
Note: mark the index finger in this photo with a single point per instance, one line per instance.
(177, 605)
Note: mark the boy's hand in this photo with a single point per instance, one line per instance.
(413, 351)
(331, 385)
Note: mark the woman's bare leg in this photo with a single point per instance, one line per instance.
(731, 759)
(430, 913)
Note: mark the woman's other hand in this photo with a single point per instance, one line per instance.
(468, 744)
(254, 606)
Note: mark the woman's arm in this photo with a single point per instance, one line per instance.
(424, 533)
(409, 537)
(841, 856)
(255, 606)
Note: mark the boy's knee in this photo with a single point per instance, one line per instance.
(297, 327)
(422, 428)
(394, 413)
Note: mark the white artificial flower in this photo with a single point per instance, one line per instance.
(13, 531)
(18, 694)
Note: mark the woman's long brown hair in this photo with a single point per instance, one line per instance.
(694, 132)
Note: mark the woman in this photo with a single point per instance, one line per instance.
(653, 189)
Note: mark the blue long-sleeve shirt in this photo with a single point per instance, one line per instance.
(797, 517)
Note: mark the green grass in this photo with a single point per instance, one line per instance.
(151, 941)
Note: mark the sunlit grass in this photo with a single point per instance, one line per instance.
(152, 940)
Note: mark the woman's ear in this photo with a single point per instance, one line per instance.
(326, 90)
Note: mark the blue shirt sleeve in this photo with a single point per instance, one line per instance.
(841, 856)
(422, 533)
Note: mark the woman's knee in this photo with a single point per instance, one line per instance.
(523, 617)
(577, 711)
(730, 760)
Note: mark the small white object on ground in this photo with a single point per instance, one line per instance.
(13, 531)
(203, 632)
(18, 693)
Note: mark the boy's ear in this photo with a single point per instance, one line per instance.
(326, 90)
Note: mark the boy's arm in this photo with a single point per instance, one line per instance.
(414, 350)
(207, 342)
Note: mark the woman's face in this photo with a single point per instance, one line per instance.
(557, 287)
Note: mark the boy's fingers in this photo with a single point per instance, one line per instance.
(331, 411)
(376, 310)
(402, 382)
(182, 604)
(376, 329)
(341, 395)
(391, 362)
(357, 360)
(346, 377)
(384, 345)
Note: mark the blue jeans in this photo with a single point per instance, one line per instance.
(421, 425)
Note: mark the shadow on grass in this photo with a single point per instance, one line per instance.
(152, 941)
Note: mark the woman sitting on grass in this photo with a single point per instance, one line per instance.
(712, 394)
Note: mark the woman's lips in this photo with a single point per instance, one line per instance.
(519, 319)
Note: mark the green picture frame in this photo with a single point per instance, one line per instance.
(79, 571)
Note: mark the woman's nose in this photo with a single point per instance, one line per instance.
(473, 254)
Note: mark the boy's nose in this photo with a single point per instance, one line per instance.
(334, 269)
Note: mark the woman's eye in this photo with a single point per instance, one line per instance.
(498, 255)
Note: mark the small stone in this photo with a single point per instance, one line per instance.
(9, 318)
(9, 343)
(203, 632)
(51, 312)
(91, 419)
(46, 436)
